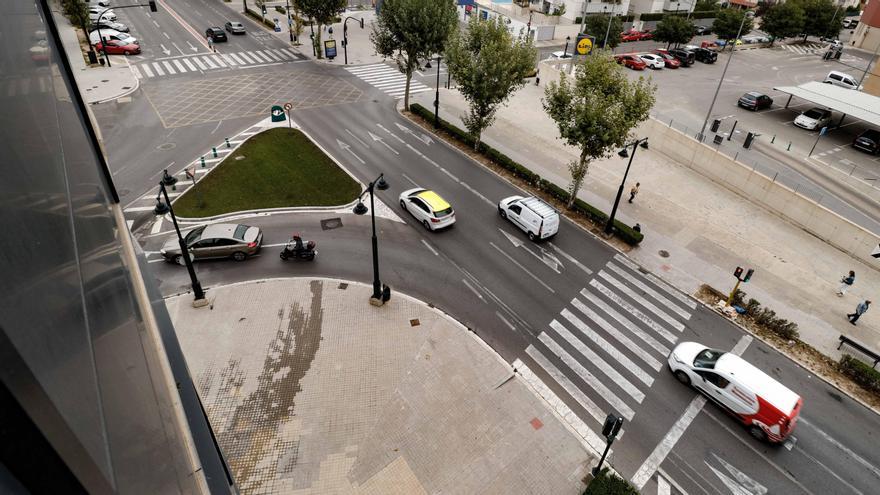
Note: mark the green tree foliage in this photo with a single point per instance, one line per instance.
(818, 15)
(412, 30)
(320, 12)
(728, 21)
(706, 5)
(78, 13)
(489, 64)
(674, 29)
(596, 111)
(783, 20)
(597, 25)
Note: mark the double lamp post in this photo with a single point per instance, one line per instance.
(381, 294)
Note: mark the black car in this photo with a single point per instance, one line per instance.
(755, 101)
(705, 55)
(215, 34)
(685, 57)
(868, 141)
(701, 30)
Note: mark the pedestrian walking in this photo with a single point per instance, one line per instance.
(846, 282)
(860, 310)
(633, 192)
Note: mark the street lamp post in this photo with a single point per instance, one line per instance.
(565, 52)
(437, 97)
(608, 29)
(700, 136)
(184, 252)
(609, 227)
(360, 209)
(345, 35)
(289, 23)
(151, 4)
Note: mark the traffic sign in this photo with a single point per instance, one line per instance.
(876, 252)
(277, 114)
(288, 106)
(330, 49)
(584, 45)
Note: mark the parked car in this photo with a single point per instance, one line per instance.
(116, 47)
(631, 61)
(814, 118)
(755, 101)
(765, 406)
(215, 34)
(671, 62)
(684, 57)
(102, 3)
(631, 35)
(652, 60)
(868, 141)
(850, 23)
(235, 27)
(106, 16)
(842, 80)
(535, 217)
(219, 240)
(646, 35)
(116, 26)
(702, 30)
(428, 208)
(111, 34)
(705, 55)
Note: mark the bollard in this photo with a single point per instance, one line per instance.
(214, 150)
(789, 146)
(773, 139)
(202, 159)
(227, 143)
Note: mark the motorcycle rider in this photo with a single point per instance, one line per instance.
(297, 243)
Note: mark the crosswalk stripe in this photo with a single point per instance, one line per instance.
(420, 90)
(290, 52)
(189, 65)
(623, 260)
(258, 57)
(226, 58)
(218, 59)
(384, 71)
(566, 384)
(245, 57)
(179, 66)
(376, 79)
(391, 85)
(137, 73)
(367, 68)
(620, 337)
(606, 346)
(169, 67)
(647, 290)
(159, 71)
(280, 53)
(147, 71)
(272, 56)
(641, 300)
(663, 487)
(235, 58)
(208, 62)
(647, 320)
(199, 63)
(626, 322)
(590, 438)
(598, 385)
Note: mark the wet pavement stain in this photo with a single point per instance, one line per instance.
(250, 440)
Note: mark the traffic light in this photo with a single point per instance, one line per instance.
(749, 138)
(264, 9)
(715, 125)
(611, 427)
(749, 274)
(738, 272)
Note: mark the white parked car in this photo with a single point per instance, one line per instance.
(535, 217)
(428, 208)
(652, 61)
(111, 34)
(108, 16)
(814, 118)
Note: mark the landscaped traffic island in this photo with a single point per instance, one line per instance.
(277, 168)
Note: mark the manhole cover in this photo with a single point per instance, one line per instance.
(166, 146)
(343, 286)
(414, 322)
(664, 253)
(331, 223)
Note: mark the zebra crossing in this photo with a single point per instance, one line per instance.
(212, 61)
(388, 79)
(805, 49)
(11, 87)
(607, 345)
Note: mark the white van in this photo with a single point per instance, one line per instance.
(535, 217)
(841, 79)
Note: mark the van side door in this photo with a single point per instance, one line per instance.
(715, 385)
(514, 213)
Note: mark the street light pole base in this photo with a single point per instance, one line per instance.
(198, 303)
(374, 301)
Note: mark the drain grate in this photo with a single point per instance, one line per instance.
(663, 253)
(343, 286)
(331, 223)
(414, 322)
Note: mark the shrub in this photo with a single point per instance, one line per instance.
(257, 17)
(864, 375)
(610, 484)
(738, 298)
(752, 307)
(280, 10)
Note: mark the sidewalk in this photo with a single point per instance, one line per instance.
(100, 83)
(696, 231)
(309, 389)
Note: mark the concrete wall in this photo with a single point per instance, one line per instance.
(761, 190)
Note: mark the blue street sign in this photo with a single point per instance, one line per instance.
(277, 114)
(277, 26)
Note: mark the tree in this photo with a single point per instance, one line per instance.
(411, 30)
(763, 7)
(78, 13)
(783, 20)
(727, 23)
(818, 15)
(674, 29)
(596, 111)
(706, 6)
(489, 64)
(320, 12)
(597, 25)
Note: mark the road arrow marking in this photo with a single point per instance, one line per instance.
(426, 139)
(571, 259)
(382, 141)
(392, 134)
(545, 257)
(423, 138)
(357, 138)
(191, 47)
(523, 268)
(165, 50)
(347, 148)
(740, 484)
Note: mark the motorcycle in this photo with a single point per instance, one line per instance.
(297, 250)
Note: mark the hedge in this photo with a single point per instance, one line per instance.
(656, 16)
(268, 22)
(610, 484)
(864, 375)
(623, 18)
(623, 231)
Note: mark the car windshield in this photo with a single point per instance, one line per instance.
(443, 213)
(813, 114)
(194, 236)
(239, 231)
(707, 358)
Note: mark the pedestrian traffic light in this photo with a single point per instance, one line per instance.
(152, 4)
(738, 272)
(611, 427)
(749, 274)
(715, 125)
(264, 9)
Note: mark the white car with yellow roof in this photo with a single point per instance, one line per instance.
(428, 208)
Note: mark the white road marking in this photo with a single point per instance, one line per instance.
(634, 279)
(503, 319)
(271, 56)
(247, 59)
(289, 52)
(139, 208)
(137, 73)
(236, 59)
(658, 282)
(663, 487)
(649, 467)
(357, 138)
(411, 181)
(629, 325)
(156, 23)
(168, 67)
(189, 65)
(742, 480)
(641, 300)
(218, 60)
(259, 57)
(475, 291)
(157, 225)
(129, 223)
(166, 35)
(208, 62)
(671, 481)
(843, 448)
(608, 348)
(614, 332)
(179, 66)
(629, 308)
(158, 68)
(430, 248)
(199, 63)
(147, 71)
(523, 268)
(571, 259)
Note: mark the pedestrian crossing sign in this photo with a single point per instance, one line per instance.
(277, 114)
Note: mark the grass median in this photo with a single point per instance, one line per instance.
(277, 168)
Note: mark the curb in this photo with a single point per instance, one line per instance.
(137, 85)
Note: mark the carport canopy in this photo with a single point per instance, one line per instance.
(862, 106)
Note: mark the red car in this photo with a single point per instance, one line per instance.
(670, 61)
(631, 35)
(117, 47)
(646, 35)
(631, 61)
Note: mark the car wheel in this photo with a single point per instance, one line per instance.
(283, 255)
(239, 256)
(502, 212)
(177, 260)
(403, 204)
(758, 433)
(683, 377)
(126, 53)
(531, 236)
(426, 224)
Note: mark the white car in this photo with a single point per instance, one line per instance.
(652, 61)
(111, 34)
(108, 16)
(428, 208)
(814, 118)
